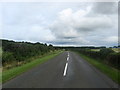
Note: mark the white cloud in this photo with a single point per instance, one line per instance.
(76, 26)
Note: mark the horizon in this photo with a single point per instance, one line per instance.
(59, 45)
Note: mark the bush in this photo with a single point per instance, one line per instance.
(106, 55)
(7, 57)
(20, 51)
(105, 52)
(113, 59)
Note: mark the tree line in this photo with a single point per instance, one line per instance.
(21, 51)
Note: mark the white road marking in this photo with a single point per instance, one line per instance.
(68, 54)
(65, 70)
(66, 66)
(67, 58)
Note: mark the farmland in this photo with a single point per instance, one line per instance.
(114, 49)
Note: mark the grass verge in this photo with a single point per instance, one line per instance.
(11, 73)
(113, 73)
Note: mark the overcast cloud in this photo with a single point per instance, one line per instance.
(66, 24)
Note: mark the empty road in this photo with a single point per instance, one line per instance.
(67, 70)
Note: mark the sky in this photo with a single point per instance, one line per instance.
(61, 23)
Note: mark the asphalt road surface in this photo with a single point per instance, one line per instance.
(67, 70)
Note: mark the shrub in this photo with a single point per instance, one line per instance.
(114, 59)
(107, 55)
(20, 51)
(7, 57)
(104, 52)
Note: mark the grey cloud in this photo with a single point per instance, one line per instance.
(105, 7)
(93, 23)
(73, 41)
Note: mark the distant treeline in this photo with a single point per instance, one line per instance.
(106, 55)
(20, 51)
(85, 47)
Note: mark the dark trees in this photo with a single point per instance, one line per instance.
(20, 51)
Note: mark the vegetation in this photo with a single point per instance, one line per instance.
(105, 55)
(116, 49)
(11, 73)
(18, 53)
(95, 50)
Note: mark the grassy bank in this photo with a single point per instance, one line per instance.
(113, 73)
(11, 73)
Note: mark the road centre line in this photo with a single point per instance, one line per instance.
(65, 70)
(67, 58)
(66, 66)
(68, 54)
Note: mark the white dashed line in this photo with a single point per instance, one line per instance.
(66, 66)
(65, 70)
(67, 58)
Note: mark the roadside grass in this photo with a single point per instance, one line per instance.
(11, 73)
(0, 50)
(113, 73)
(0, 75)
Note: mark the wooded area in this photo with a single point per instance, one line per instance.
(21, 51)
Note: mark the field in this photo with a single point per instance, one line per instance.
(95, 50)
(0, 52)
(114, 49)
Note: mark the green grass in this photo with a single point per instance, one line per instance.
(11, 73)
(0, 75)
(97, 50)
(0, 52)
(116, 49)
(109, 71)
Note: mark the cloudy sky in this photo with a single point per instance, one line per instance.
(61, 24)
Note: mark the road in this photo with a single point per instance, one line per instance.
(67, 70)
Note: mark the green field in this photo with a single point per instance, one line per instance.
(0, 52)
(95, 50)
(0, 75)
(109, 71)
(11, 73)
(114, 49)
